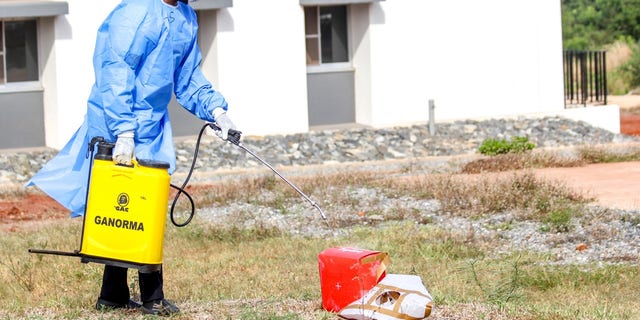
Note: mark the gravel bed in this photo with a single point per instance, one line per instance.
(599, 235)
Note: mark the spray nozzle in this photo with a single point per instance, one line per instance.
(233, 135)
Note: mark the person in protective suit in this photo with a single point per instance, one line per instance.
(145, 51)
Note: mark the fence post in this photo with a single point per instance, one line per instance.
(585, 77)
(432, 120)
(604, 76)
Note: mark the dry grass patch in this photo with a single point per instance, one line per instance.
(618, 53)
(605, 155)
(548, 159)
(270, 190)
(518, 161)
(480, 194)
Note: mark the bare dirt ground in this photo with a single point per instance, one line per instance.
(31, 207)
(613, 185)
(629, 113)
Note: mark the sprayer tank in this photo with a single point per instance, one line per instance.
(126, 212)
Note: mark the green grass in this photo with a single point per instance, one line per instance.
(492, 147)
(259, 274)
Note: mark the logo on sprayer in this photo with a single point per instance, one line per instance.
(123, 201)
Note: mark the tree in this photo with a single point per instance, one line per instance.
(590, 24)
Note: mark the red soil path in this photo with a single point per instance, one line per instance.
(629, 123)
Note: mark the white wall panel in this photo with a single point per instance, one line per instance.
(472, 58)
(262, 68)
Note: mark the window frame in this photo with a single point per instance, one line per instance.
(322, 67)
(16, 86)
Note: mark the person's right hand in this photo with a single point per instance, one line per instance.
(223, 122)
(124, 149)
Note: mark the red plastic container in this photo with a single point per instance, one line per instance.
(347, 274)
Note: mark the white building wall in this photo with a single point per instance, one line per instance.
(49, 78)
(75, 35)
(473, 59)
(262, 66)
(360, 16)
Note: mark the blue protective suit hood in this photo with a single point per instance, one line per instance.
(145, 51)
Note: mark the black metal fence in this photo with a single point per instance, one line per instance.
(585, 78)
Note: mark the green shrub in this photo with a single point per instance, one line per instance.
(559, 220)
(492, 147)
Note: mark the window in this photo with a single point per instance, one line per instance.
(18, 51)
(326, 34)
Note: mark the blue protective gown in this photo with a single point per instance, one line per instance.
(145, 51)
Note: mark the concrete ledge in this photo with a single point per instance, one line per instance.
(28, 9)
(606, 117)
(333, 2)
(211, 4)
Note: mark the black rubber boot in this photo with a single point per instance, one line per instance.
(114, 293)
(162, 307)
(105, 305)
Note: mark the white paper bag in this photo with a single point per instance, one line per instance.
(397, 296)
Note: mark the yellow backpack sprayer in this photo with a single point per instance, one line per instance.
(125, 213)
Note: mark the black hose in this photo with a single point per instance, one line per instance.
(184, 184)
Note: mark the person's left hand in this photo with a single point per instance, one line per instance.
(124, 149)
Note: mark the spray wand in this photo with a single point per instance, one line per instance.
(234, 137)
